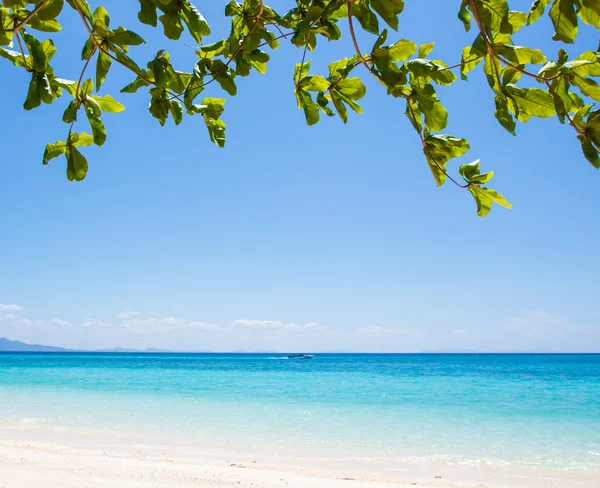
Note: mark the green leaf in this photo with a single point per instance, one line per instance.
(194, 20)
(176, 111)
(162, 70)
(83, 6)
(439, 149)
(127, 61)
(88, 49)
(98, 130)
(225, 76)
(14, 57)
(101, 17)
(77, 165)
(590, 12)
(171, 22)
(147, 14)
(41, 53)
(469, 61)
(108, 104)
(588, 87)
(536, 10)
(425, 49)
(494, 15)
(564, 19)
(82, 139)
(484, 198)
(70, 114)
(584, 64)
(86, 87)
(436, 116)
(70, 86)
(33, 99)
(54, 150)
(464, 15)
(51, 10)
(44, 25)
(389, 10)
(521, 55)
(589, 151)
(366, 17)
(503, 115)
(124, 37)
(159, 108)
(103, 64)
(134, 86)
(301, 71)
(351, 88)
(213, 108)
(533, 101)
(401, 50)
(310, 108)
(314, 83)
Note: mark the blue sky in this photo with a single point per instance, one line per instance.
(295, 237)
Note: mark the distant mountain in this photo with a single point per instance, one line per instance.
(17, 346)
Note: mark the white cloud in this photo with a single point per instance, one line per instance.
(205, 326)
(60, 322)
(376, 331)
(275, 325)
(90, 322)
(127, 314)
(10, 308)
(459, 332)
(264, 324)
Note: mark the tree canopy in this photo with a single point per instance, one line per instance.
(524, 82)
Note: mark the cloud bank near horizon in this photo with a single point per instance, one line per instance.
(134, 329)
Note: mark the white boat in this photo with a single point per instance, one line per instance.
(300, 356)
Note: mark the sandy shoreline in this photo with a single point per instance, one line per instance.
(25, 464)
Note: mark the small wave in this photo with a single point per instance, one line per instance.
(280, 359)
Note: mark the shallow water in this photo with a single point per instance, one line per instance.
(537, 410)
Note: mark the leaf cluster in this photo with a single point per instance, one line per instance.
(555, 86)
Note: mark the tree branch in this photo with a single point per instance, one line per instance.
(28, 18)
(366, 65)
(234, 55)
(83, 72)
(17, 35)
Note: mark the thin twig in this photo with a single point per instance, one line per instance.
(22, 51)
(101, 48)
(495, 55)
(366, 65)
(546, 81)
(82, 73)
(565, 111)
(28, 18)
(276, 39)
(237, 51)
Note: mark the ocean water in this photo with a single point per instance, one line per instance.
(530, 410)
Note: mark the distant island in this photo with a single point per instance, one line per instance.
(17, 346)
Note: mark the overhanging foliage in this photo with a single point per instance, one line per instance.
(567, 88)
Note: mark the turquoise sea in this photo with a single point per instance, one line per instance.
(521, 409)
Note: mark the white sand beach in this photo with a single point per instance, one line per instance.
(42, 465)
